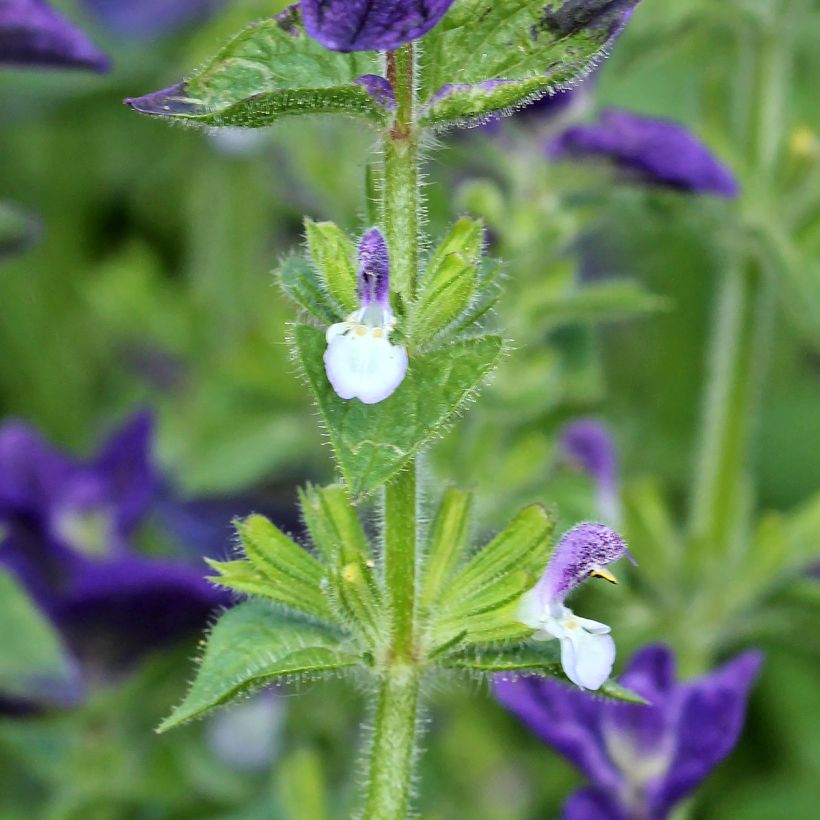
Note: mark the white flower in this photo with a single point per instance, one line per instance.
(360, 361)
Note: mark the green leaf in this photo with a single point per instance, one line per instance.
(333, 254)
(518, 51)
(483, 596)
(465, 238)
(270, 70)
(33, 662)
(333, 524)
(301, 283)
(543, 660)
(250, 646)
(277, 568)
(448, 539)
(373, 442)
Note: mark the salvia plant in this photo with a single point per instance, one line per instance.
(396, 333)
(394, 340)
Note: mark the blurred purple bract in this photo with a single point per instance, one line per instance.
(653, 151)
(146, 19)
(34, 34)
(640, 760)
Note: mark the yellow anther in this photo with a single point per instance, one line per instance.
(600, 572)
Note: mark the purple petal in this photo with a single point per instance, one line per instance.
(379, 89)
(656, 152)
(370, 25)
(171, 100)
(144, 19)
(125, 463)
(374, 270)
(579, 552)
(573, 17)
(120, 609)
(592, 804)
(567, 719)
(32, 33)
(712, 713)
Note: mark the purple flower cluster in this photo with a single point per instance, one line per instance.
(34, 34)
(67, 530)
(640, 760)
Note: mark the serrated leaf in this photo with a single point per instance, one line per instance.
(34, 664)
(269, 70)
(373, 442)
(301, 282)
(518, 50)
(543, 660)
(334, 254)
(251, 646)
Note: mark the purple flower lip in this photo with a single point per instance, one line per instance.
(370, 25)
(373, 287)
(34, 34)
(655, 152)
(640, 760)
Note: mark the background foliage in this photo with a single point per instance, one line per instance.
(151, 286)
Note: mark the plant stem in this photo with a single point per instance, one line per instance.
(395, 728)
(401, 175)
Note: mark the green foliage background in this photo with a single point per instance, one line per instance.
(151, 285)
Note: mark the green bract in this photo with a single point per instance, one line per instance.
(488, 56)
(270, 70)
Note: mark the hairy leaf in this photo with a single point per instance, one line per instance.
(334, 254)
(518, 50)
(302, 283)
(373, 442)
(270, 70)
(250, 646)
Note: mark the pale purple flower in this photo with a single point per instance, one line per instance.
(360, 361)
(67, 537)
(145, 19)
(655, 152)
(587, 648)
(588, 444)
(370, 25)
(640, 760)
(34, 34)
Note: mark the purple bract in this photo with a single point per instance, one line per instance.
(370, 25)
(655, 152)
(34, 34)
(640, 760)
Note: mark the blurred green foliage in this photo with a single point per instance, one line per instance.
(151, 285)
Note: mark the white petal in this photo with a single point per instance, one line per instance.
(364, 366)
(587, 659)
(336, 330)
(595, 627)
(531, 610)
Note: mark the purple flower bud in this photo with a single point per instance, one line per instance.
(588, 444)
(32, 33)
(370, 25)
(655, 152)
(582, 553)
(374, 270)
(640, 760)
(379, 89)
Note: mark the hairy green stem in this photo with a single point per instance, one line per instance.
(395, 725)
(401, 175)
(394, 745)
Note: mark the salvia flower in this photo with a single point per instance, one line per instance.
(370, 25)
(587, 648)
(588, 444)
(360, 361)
(656, 152)
(640, 760)
(68, 527)
(34, 34)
